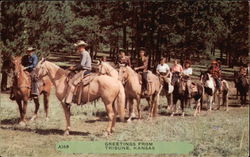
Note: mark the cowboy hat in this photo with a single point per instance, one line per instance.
(30, 49)
(80, 43)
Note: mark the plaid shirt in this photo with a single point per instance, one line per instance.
(215, 71)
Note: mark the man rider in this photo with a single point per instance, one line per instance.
(29, 61)
(83, 68)
(142, 68)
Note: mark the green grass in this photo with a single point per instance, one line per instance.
(213, 134)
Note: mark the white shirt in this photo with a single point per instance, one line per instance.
(162, 68)
(188, 71)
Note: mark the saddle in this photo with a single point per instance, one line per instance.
(149, 81)
(80, 91)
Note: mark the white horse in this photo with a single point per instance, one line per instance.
(213, 93)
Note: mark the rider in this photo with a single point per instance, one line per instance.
(142, 68)
(243, 71)
(81, 69)
(176, 70)
(123, 59)
(163, 71)
(187, 72)
(215, 71)
(29, 61)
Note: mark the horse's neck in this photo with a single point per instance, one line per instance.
(56, 74)
(23, 78)
(132, 75)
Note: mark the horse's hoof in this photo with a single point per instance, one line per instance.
(129, 120)
(133, 115)
(47, 119)
(66, 133)
(183, 115)
(33, 118)
(171, 115)
(22, 123)
(106, 133)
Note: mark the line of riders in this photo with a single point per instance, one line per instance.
(84, 67)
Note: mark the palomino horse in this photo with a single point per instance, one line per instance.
(22, 87)
(106, 69)
(103, 86)
(131, 81)
(242, 86)
(212, 92)
(179, 93)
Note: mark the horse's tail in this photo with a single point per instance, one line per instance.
(120, 102)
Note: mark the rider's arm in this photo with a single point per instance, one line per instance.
(34, 62)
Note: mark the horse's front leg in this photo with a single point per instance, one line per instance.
(37, 104)
(219, 96)
(182, 107)
(46, 104)
(169, 99)
(20, 107)
(66, 109)
(138, 101)
(131, 110)
(111, 117)
(210, 102)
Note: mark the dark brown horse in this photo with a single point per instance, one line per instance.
(242, 85)
(22, 87)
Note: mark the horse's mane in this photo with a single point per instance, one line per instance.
(130, 70)
(60, 71)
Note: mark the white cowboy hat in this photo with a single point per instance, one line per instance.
(30, 48)
(81, 42)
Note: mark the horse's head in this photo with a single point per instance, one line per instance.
(123, 74)
(16, 65)
(204, 77)
(40, 69)
(175, 78)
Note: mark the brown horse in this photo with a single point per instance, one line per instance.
(103, 86)
(131, 81)
(22, 87)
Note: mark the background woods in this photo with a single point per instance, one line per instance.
(177, 29)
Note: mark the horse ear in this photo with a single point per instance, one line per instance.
(43, 60)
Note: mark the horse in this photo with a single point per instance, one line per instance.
(212, 91)
(196, 93)
(105, 87)
(180, 93)
(133, 91)
(22, 89)
(106, 69)
(167, 88)
(242, 85)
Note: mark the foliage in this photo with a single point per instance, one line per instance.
(182, 26)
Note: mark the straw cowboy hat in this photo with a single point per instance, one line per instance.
(80, 43)
(30, 49)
